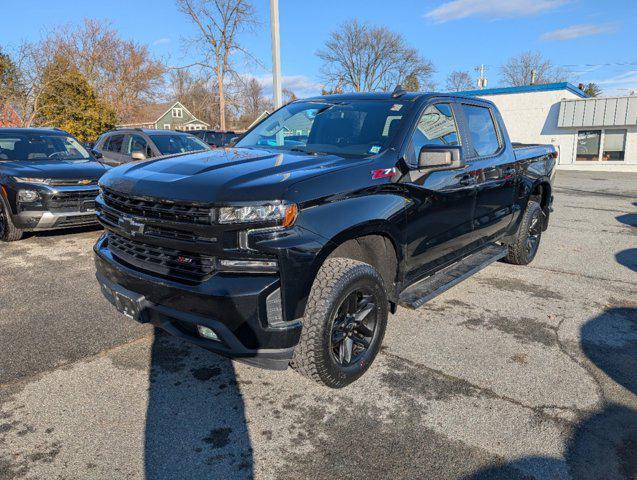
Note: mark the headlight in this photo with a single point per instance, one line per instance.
(27, 196)
(281, 213)
(31, 180)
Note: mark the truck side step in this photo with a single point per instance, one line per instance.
(421, 292)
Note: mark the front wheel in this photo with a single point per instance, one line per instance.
(8, 231)
(527, 239)
(344, 323)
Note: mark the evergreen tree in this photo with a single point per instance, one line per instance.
(412, 84)
(68, 102)
(592, 90)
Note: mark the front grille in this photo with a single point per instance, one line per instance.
(168, 262)
(161, 210)
(72, 201)
(76, 220)
(72, 182)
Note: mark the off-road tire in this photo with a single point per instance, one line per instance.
(519, 253)
(8, 231)
(336, 279)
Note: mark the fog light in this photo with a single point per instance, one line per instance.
(248, 265)
(208, 333)
(28, 196)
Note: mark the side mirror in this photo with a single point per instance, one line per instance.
(96, 154)
(440, 158)
(138, 156)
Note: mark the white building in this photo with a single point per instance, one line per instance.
(589, 133)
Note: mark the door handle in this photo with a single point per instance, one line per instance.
(467, 180)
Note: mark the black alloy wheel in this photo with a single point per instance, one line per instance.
(353, 327)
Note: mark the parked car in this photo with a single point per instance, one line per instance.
(294, 255)
(216, 138)
(126, 145)
(48, 180)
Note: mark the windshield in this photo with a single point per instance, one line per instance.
(40, 146)
(358, 128)
(172, 144)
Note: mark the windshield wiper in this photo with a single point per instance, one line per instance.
(309, 152)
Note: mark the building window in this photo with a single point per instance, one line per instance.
(614, 142)
(178, 112)
(601, 145)
(588, 143)
(166, 126)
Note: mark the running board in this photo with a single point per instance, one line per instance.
(421, 292)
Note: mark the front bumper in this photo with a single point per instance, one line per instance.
(233, 305)
(44, 220)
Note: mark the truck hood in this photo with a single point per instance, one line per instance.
(54, 169)
(222, 175)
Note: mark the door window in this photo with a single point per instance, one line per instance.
(138, 144)
(114, 144)
(482, 129)
(435, 127)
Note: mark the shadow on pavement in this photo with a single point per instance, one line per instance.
(627, 258)
(629, 219)
(195, 422)
(602, 445)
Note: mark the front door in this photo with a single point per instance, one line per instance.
(439, 221)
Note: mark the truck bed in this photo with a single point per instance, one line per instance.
(525, 151)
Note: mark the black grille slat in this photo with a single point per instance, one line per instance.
(161, 260)
(72, 201)
(193, 214)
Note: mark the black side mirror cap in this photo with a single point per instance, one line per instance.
(440, 158)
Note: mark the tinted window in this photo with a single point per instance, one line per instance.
(357, 128)
(484, 137)
(114, 144)
(172, 144)
(436, 126)
(36, 146)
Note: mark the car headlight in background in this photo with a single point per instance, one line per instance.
(44, 181)
(282, 213)
(26, 196)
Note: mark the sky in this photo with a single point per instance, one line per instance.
(594, 39)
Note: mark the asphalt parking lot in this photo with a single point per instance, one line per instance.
(517, 373)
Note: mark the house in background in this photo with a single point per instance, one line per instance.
(9, 118)
(167, 116)
(589, 133)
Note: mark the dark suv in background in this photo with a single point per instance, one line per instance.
(217, 139)
(48, 180)
(125, 145)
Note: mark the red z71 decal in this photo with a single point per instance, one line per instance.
(383, 173)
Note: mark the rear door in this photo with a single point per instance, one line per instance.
(112, 149)
(494, 167)
(439, 221)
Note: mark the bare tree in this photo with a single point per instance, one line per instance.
(363, 58)
(196, 91)
(288, 96)
(219, 22)
(531, 67)
(458, 81)
(122, 72)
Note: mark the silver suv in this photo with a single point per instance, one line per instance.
(125, 145)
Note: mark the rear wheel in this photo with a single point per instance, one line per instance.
(344, 323)
(8, 231)
(527, 239)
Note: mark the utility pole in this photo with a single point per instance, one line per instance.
(276, 54)
(482, 81)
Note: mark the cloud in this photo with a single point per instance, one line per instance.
(301, 85)
(577, 31)
(493, 9)
(162, 41)
(622, 84)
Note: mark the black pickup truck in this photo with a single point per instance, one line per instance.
(48, 180)
(292, 247)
